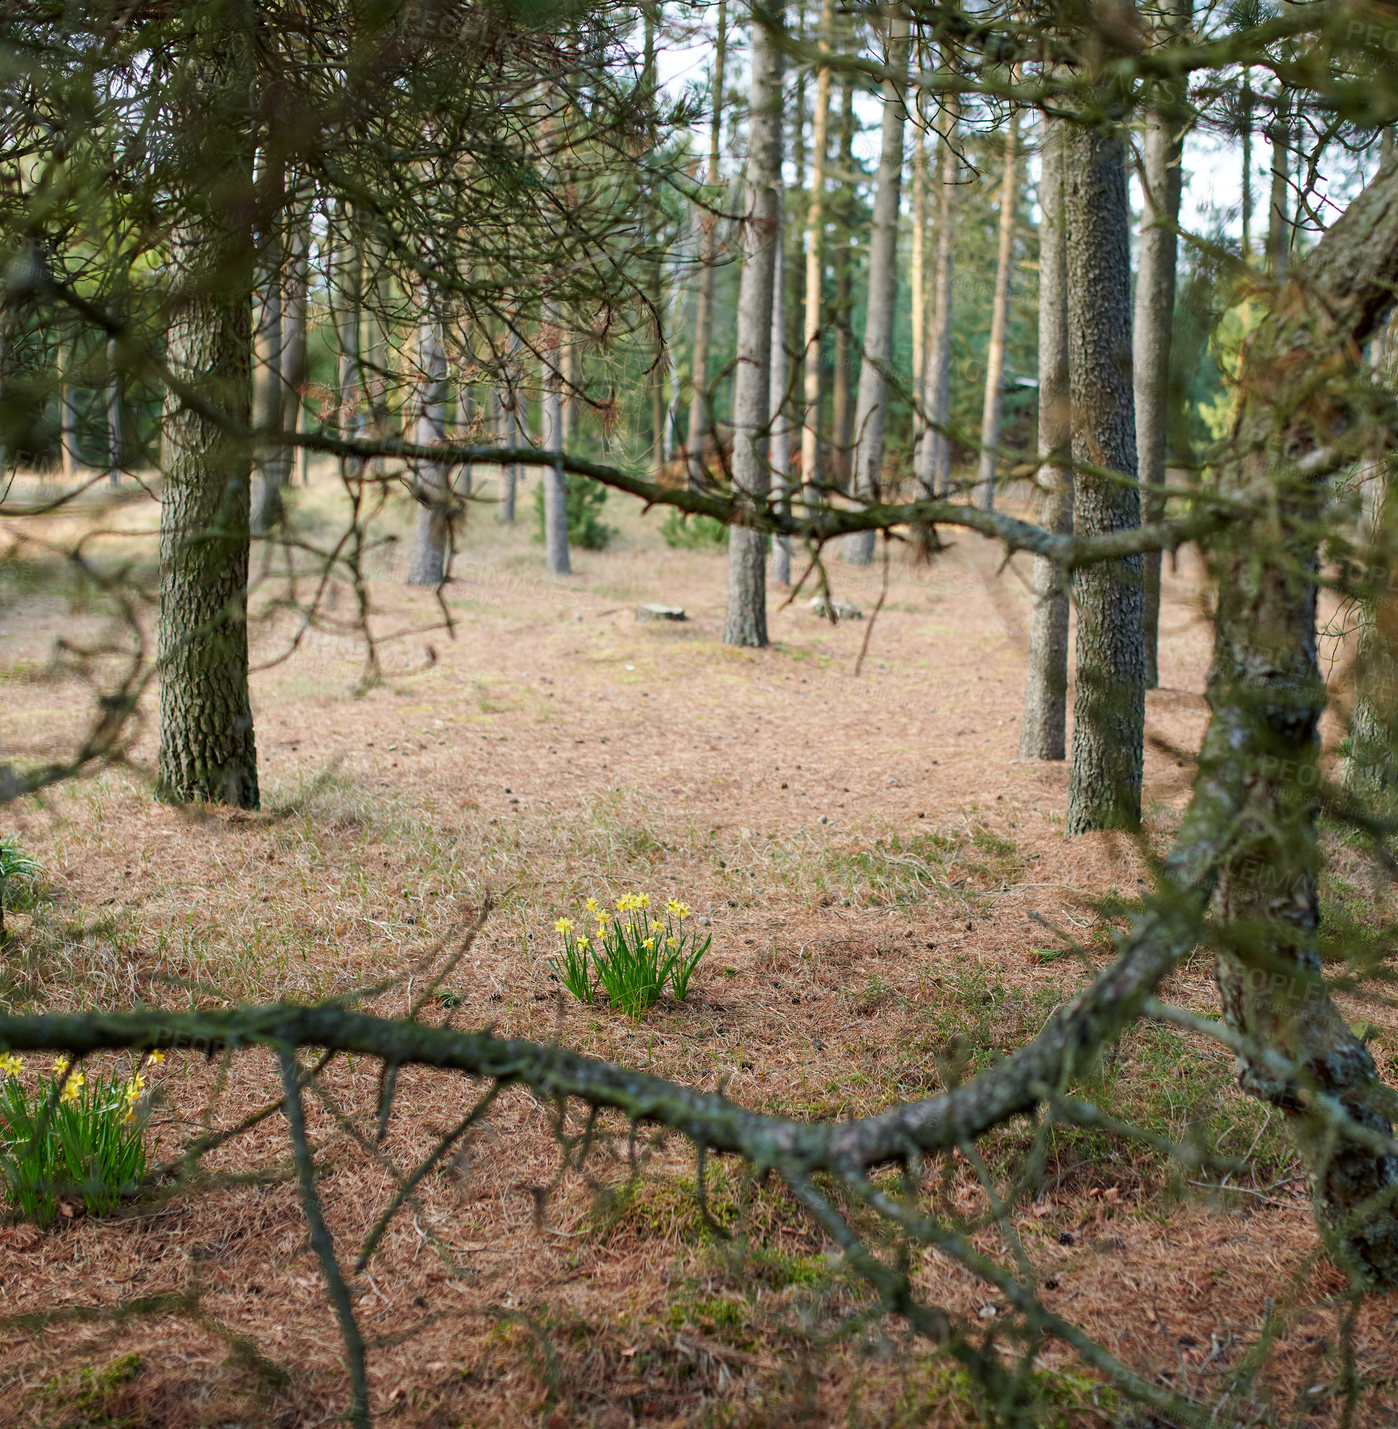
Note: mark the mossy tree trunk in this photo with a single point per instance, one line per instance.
(1299, 1054)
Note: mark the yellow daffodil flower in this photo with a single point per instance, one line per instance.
(134, 1088)
(10, 1065)
(591, 905)
(649, 944)
(155, 1055)
(564, 925)
(672, 942)
(676, 909)
(72, 1088)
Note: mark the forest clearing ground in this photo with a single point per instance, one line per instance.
(882, 877)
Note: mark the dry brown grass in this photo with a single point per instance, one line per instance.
(874, 864)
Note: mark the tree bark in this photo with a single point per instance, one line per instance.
(1279, 211)
(428, 563)
(207, 750)
(746, 620)
(932, 461)
(113, 413)
(841, 412)
(556, 559)
(1104, 783)
(1163, 146)
(1043, 735)
(815, 269)
(708, 257)
(780, 454)
(1370, 769)
(294, 316)
(463, 422)
(269, 336)
(284, 413)
(1371, 766)
(572, 384)
(68, 412)
(999, 316)
(871, 409)
(918, 260)
(347, 280)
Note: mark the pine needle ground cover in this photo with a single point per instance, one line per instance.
(878, 928)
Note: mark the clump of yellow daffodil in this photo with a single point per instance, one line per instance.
(632, 955)
(75, 1138)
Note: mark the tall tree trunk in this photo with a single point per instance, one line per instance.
(1266, 683)
(780, 454)
(294, 315)
(1370, 769)
(1043, 735)
(495, 426)
(375, 348)
(918, 261)
(841, 409)
(277, 468)
(871, 410)
(68, 411)
(1104, 781)
(932, 462)
(513, 434)
(268, 359)
(113, 413)
(428, 563)
(1245, 112)
(1279, 210)
(346, 283)
(572, 385)
(207, 750)
(999, 317)
(815, 268)
(556, 560)
(1163, 146)
(463, 419)
(746, 620)
(708, 257)
(1371, 766)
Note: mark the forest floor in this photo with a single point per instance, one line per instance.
(889, 894)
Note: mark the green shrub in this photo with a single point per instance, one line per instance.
(631, 955)
(71, 1140)
(683, 532)
(585, 526)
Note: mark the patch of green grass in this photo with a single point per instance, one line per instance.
(1053, 1399)
(86, 1403)
(665, 1208)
